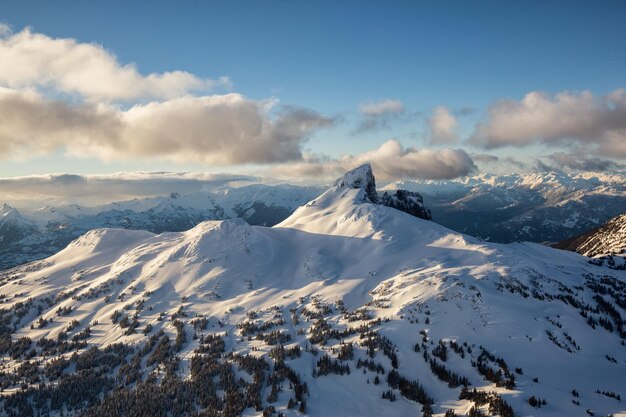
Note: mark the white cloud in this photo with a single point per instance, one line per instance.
(501, 165)
(597, 123)
(31, 125)
(29, 60)
(561, 161)
(221, 130)
(485, 158)
(442, 127)
(390, 161)
(382, 107)
(216, 129)
(379, 115)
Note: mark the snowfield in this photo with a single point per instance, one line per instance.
(413, 310)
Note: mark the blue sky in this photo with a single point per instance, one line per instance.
(335, 59)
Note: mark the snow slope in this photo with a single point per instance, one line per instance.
(518, 320)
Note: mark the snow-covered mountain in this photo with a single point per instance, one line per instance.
(42, 232)
(348, 307)
(537, 207)
(545, 207)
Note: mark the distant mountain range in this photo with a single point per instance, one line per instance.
(537, 207)
(547, 207)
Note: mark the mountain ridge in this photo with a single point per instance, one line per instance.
(52, 228)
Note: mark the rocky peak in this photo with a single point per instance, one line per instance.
(361, 177)
(407, 201)
(403, 200)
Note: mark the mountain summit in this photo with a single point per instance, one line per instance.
(363, 178)
(353, 207)
(360, 178)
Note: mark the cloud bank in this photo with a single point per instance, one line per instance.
(561, 161)
(98, 189)
(597, 123)
(391, 161)
(220, 130)
(38, 73)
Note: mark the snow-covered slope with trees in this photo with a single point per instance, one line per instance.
(346, 308)
(606, 243)
(608, 239)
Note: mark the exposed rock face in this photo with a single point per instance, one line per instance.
(407, 201)
(361, 177)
